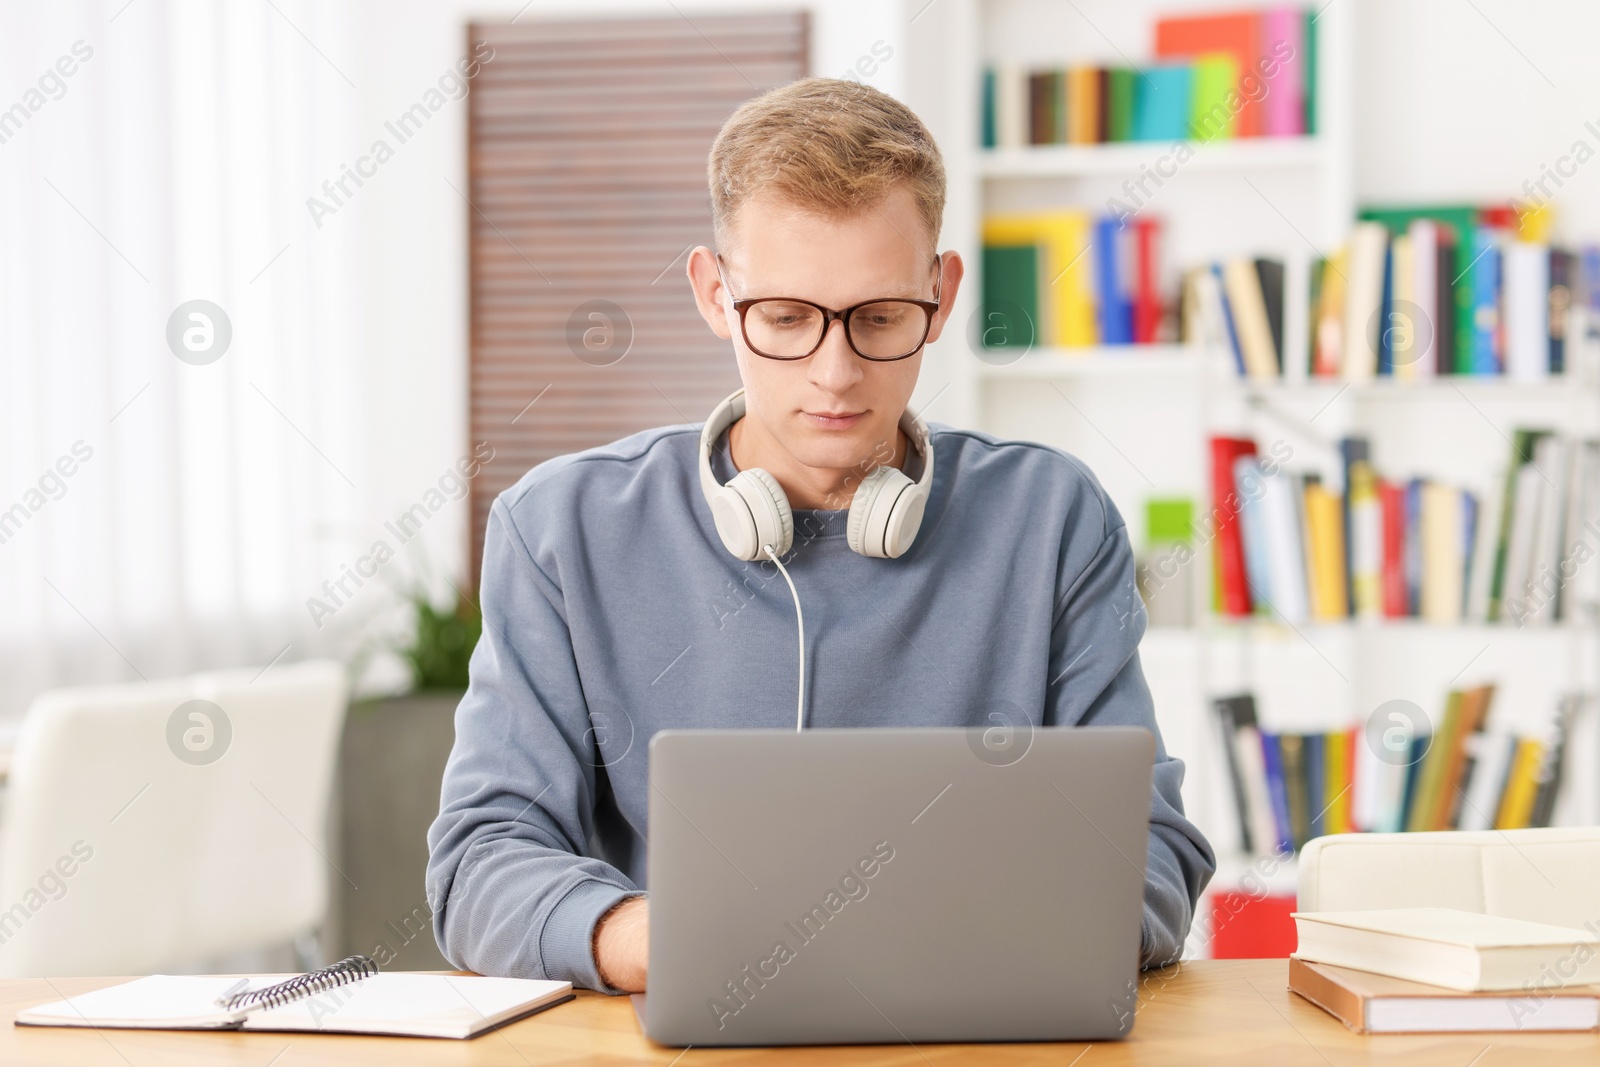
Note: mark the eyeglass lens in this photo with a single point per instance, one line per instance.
(887, 329)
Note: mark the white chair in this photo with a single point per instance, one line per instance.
(124, 851)
(1546, 875)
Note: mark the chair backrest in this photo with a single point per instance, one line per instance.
(1546, 875)
(151, 825)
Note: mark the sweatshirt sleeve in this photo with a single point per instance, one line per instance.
(511, 890)
(1096, 680)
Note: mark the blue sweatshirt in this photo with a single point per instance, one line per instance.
(611, 610)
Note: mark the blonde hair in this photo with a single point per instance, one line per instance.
(825, 145)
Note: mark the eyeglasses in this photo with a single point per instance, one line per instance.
(884, 330)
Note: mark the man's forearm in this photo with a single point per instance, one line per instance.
(622, 945)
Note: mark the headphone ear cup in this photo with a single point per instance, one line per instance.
(768, 507)
(872, 511)
(904, 521)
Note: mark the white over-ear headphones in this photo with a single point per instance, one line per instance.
(751, 511)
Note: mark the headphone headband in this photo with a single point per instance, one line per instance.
(751, 510)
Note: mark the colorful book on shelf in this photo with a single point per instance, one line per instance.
(1232, 579)
(1223, 47)
(1277, 791)
(1282, 67)
(1247, 306)
(1414, 549)
(1514, 486)
(1083, 105)
(1325, 553)
(1212, 115)
(1487, 354)
(1290, 786)
(1121, 85)
(1010, 295)
(1313, 73)
(987, 137)
(1163, 103)
(1147, 280)
(1562, 277)
(1313, 757)
(1291, 751)
(1114, 279)
(1458, 224)
(1066, 281)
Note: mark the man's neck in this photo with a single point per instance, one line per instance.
(808, 488)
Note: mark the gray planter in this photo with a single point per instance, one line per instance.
(390, 766)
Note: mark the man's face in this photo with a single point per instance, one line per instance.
(832, 409)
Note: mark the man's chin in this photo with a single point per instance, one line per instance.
(859, 448)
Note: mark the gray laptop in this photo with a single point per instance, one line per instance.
(852, 886)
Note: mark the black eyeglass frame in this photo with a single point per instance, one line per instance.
(931, 307)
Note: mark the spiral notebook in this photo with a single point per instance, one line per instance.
(350, 997)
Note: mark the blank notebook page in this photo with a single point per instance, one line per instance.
(400, 1003)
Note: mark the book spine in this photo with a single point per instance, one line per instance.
(1277, 790)
(1231, 576)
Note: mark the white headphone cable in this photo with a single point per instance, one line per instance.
(800, 621)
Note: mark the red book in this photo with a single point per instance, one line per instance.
(1146, 291)
(1392, 507)
(1231, 585)
(1239, 35)
(1352, 738)
(1245, 926)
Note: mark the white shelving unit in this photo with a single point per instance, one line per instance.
(1140, 416)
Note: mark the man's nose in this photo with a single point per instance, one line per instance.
(834, 366)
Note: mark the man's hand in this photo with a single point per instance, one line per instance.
(622, 945)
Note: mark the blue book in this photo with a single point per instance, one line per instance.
(1419, 748)
(1469, 544)
(1161, 103)
(1316, 783)
(1277, 793)
(1227, 320)
(1386, 313)
(1114, 301)
(1249, 481)
(988, 107)
(1485, 302)
(1412, 561)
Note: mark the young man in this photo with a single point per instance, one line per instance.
(613, 608)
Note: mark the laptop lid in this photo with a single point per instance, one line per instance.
(893, 885)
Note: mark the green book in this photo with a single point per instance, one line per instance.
(1294, 780)
(1010, 295)
(1121, 84)
(1310, 67)
(1425, 804)
(1319, 270)
(1216, 76)
(1523, 443)
(1462, 219)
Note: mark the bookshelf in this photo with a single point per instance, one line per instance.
(1140, 416)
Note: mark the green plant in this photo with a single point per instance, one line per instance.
(441, 642)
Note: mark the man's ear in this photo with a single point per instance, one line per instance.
(709, 295)
(953, 270)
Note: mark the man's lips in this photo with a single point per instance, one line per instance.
(834, 420)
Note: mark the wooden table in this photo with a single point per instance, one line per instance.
(1233, 1012)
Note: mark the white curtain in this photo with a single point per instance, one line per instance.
(157, 515)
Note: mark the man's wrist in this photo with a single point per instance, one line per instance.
(620, 944)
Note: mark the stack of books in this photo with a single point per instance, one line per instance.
(1395, 773)
(1438, 970)
(1069, 279)
(1290, 546)
(1239, 74)
(1414, 294)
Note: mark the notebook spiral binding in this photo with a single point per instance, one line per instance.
(350, 969)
